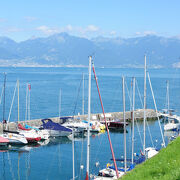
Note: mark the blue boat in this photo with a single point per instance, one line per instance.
(55, 129)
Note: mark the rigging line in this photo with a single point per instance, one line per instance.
(146, 121)
(130, 100)
(137, 124)
(12, 103)
(1, 95)
(77, 97)
(117, 174)
(156, 110)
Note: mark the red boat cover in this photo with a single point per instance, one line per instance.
(23, 128)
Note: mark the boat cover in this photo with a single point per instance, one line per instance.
(54, 126)
(132, 166)
(141, 159)
(30, 127)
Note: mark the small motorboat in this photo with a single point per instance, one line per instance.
(3, 141)
(115, 125)
(55, 129)
(171, 125)
(108, 174)
(43, 133)
(150, 152)
(14, 137)
(30, 134)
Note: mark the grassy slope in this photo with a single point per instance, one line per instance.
(164, 166)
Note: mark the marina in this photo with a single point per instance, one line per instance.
(151, 116)
(55, 154)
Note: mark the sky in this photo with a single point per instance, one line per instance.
(26, 19)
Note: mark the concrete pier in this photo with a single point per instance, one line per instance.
(139, 114)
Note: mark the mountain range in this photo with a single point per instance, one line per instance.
(67, 50)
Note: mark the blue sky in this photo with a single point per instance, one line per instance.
(22, 20)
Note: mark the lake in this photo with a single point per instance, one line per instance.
(53, 159)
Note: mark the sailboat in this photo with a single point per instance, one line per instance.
(150, 151)
(13, 136)
(42, 133)
(115, 172)
(171, 125)
(30, 135)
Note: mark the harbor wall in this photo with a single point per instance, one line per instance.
(139, 115)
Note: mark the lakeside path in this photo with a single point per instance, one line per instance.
(164, 166)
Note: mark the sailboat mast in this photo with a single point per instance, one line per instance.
(89, 113)
(109, 138)
(29, 86)
(168, 98)
(144, 121)
(124, 109)
(26, 114)
(134, 79)
(59, 103)
(4, 103)
(83, 95)
(18, 98)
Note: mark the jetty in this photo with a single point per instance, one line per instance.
(139, 114)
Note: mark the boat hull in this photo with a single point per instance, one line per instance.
(56, 133)
(15, 138)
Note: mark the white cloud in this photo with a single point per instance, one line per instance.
(47, 30)
(113, 33)
(91, 28)
(138, 33)
(30, 18)
(145, 33)
(149, 33)
(83, 31)
(69, 28)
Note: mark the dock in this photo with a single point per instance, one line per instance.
(138, 113)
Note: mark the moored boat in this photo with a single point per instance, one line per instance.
(14, 137)
(30, 134)
(3, 141)
(55, 129)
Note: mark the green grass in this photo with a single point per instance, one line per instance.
(164, 166)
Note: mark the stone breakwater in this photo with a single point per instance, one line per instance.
(138, 114)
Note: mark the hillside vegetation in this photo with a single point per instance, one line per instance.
(164, 166)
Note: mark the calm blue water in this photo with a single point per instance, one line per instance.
(54, 160)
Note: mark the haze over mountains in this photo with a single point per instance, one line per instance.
(65, 50)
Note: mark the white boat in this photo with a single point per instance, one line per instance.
(30, 134)
(108, 174)
(171, 126)
(43, 133)
(15, 138)
(81, 126)
(150, 152)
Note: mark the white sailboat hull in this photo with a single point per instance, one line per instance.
(150, 152)
(15, 138)
(170, 126)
